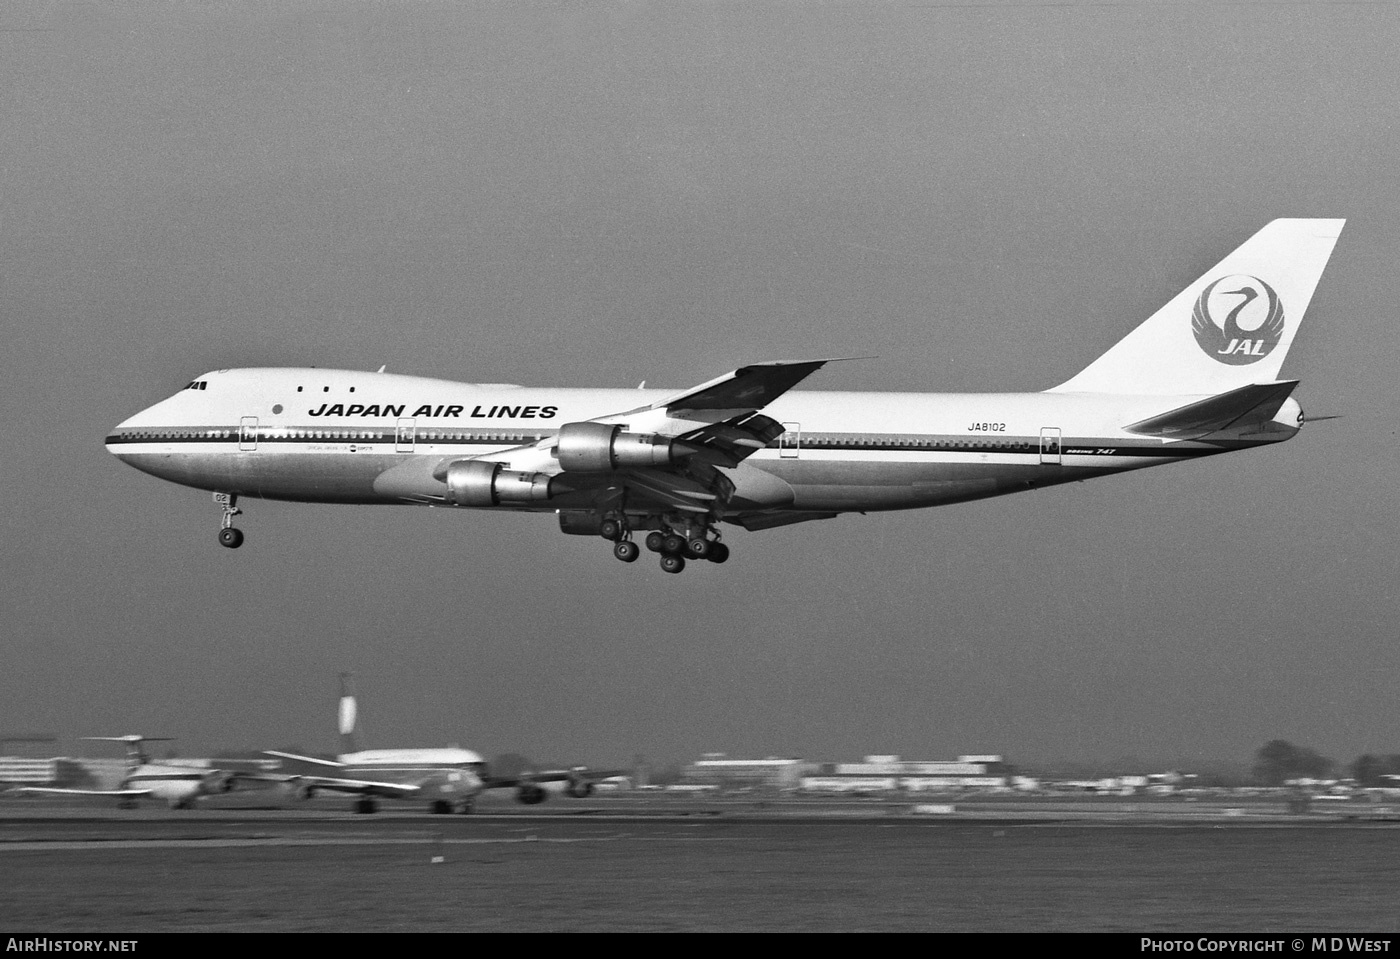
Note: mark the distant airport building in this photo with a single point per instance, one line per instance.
(17, 770)
(717, 771)
(882, 774)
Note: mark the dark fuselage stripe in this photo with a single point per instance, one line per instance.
(853, 442)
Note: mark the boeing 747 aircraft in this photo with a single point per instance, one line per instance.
(1197, 378)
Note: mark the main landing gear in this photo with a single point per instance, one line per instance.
(228, 535)
(674, 546)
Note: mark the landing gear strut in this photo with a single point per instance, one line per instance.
(614, 527)
(228, 535)
(676, 537)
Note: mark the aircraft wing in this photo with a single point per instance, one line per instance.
(749, 387)
(579, 775)
(56, 791)
(727, 443)
(304, 759)
(360, 787)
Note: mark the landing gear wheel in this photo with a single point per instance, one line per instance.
(672, 563)
(230, 537)
(698, 548)
(656, 542)
(467, 808)
(718, 553)
(610, 529)
(366, 806)
(441, 807)
(627, 551)
(673, 544)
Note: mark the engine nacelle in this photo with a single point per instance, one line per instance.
(479, 483)
(601, 448)
(530, 794)
(579, 788)
(218, 781)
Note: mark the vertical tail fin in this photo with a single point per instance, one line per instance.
(348, 743)
(1230, 328)
(135, 750)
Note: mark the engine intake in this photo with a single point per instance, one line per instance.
(479, 483)
(602, 447)
(530, 794)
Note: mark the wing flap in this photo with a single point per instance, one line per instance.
(729, 442)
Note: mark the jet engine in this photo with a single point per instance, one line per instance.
(579, 788)
(530, 794)
(301, 792)
(602, 447)
(479, 483)
(218, 781)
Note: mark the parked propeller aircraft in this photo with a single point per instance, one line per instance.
(1197, 378)
(446, 778)
(179, 785)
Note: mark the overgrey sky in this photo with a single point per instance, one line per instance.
(983, 196)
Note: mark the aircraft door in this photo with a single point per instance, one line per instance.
(1050, 446)
(790, 443)
(248, 433)
(404, 435)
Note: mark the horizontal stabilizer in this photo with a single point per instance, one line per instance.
(1237, 411)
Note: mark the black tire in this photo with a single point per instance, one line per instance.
(656, 542)
(672, 563)
(673, 544)
(440, 807)
(230, 537)
(627, 551)
(610, 529)
(698, 548)
(718, 553)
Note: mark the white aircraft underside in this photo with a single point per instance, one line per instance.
(1197, 378)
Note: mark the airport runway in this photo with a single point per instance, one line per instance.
(1070, 865)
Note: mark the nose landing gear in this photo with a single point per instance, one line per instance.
(228, 535)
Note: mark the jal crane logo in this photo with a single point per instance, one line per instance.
(1238, 319)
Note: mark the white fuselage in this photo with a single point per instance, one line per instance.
(317, 435)
(177, 785)
(441, 775)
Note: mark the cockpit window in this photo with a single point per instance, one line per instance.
(197, 385)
